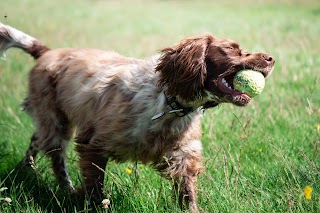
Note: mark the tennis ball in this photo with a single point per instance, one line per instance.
(249, 81)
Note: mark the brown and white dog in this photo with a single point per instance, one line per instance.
(124, 108)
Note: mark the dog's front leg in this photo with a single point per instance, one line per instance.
(185, 183)
(183, 166)
(92, 165)
(93, 169)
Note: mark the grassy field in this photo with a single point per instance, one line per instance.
(258, 159)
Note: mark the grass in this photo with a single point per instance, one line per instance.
(258, 158)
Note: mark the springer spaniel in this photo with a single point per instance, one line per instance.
(124, 108)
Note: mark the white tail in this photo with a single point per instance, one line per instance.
(11, 37)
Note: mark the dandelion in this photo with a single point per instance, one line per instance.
(318, 127)
(128, 171)
(307, 192)
(260, 150)
(105, 203)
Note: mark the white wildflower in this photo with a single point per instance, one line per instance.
(3, 189)
(105, 203)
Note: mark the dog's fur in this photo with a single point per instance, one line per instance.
(130, 109)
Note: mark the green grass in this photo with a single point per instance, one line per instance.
(258, 158)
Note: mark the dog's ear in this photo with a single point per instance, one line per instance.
(183, 67)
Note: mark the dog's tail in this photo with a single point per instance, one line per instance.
(11, 37)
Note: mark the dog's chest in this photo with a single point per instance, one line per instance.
(149, 143)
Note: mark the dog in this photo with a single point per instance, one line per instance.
(128, 109)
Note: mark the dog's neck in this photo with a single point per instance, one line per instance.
(176, 107)
(179, 107)
(203, 102)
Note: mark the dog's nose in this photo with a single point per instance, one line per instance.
(268, 58)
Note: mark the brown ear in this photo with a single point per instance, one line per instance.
(183, 67)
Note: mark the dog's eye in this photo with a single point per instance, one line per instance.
(234, 51)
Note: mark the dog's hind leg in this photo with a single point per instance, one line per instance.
(51, 137)
(32, 151)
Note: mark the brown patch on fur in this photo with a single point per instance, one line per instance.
(183, 67)
(37, 49)
(84, 137)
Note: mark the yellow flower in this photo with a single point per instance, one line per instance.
(318, 127)
(128, 171)
(260, 150)
(307, 192)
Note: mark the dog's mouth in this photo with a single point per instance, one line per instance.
(225, 85)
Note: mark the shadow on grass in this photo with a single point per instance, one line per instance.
(29, 192)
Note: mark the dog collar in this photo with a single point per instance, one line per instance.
(176, 107)
(173, 106)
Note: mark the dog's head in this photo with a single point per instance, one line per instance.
(205, 66)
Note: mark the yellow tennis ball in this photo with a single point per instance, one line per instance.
(249, 82)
